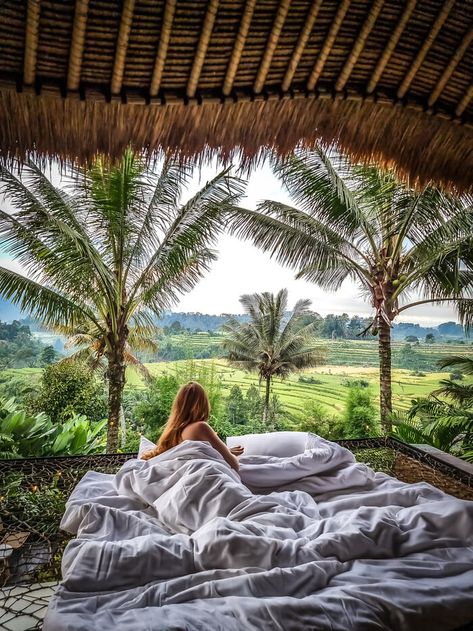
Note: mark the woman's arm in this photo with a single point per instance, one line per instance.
(203, 431)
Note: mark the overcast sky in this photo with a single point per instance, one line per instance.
(242, 268)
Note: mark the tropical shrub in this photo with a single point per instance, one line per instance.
(23, 435)
(67, 388)
(360, 414)
(315, 418)
(444, 419)
(153, 411)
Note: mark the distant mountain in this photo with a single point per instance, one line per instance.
(196, 321)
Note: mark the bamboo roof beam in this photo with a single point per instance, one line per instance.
(328, 44)
(391, 45)
(450, 69)
(238, 46)
(429, 40)
(168, 18)
(77, 44)
(461, 107)
(202, 46)
(359, 44)
(31, 41)
(122, 45)
(301, 44)
(273, 39)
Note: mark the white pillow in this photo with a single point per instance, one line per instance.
(280, 444)
(145, 445)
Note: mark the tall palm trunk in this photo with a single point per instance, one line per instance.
(266, 400)
(116, 383)
(385, 392)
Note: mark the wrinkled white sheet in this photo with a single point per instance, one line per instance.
(315, 541)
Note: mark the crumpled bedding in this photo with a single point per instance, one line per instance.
(315, 541)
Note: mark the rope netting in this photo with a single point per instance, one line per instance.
(33, 494)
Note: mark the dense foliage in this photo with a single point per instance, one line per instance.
(67, 388)
(24, 435)
(445, 418)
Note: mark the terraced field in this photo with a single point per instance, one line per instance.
(345, 360)
(362, 353)
(329, 389)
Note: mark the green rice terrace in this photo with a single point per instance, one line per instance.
(345, 361)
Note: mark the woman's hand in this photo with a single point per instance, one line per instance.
(237, 451)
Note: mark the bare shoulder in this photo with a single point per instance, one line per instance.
(197, 431)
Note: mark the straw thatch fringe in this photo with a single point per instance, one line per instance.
(418, 146)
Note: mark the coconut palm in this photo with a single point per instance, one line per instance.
(395, 241)
(270, 343)
(104, 253)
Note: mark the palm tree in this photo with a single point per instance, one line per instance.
(90, 348)
(110, 250)
(270, 343)
(360, 223)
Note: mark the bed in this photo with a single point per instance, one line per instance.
(309, 541)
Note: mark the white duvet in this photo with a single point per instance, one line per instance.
(316, 541)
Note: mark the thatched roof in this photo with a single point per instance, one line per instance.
(385, 79)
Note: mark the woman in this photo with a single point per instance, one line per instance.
(189, 421)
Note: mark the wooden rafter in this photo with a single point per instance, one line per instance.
(359, 43)
(122, 45)
(450, 69)
(391, 45)
(429, 40)
(327, 46)
(77, 44)
(273, 39)
(165, 36)
(31, 41)
(238, 46)
(301, 44)
(202, 46)
(461, 107)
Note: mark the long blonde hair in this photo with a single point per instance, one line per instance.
(190, 405)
